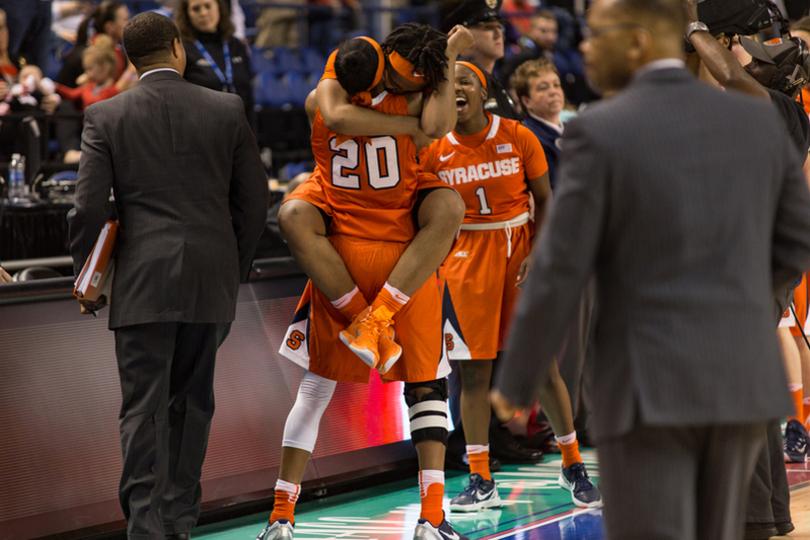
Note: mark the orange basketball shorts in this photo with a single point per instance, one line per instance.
(312, 340)
(480, 291)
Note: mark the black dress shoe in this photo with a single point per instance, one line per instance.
(784, 527)
(760, 531)
(179, 536)
(515, 453)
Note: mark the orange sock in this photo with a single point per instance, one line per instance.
(806, 410)
(478, 455)
(350, 304)
(286, 497)
(431, 491)
(796, 394)
(569, 447)
(391, 298)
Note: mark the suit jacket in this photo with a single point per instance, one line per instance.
(689, 205)
(190, 194)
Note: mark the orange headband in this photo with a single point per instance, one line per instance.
(405, 68)
(380, 62)
(478, 72)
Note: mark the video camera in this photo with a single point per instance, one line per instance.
(743, 17)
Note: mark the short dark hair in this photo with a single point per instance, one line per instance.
(669, 13)
(356, 65)
(422, 46)
(148, 38)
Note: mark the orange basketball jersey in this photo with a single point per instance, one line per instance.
(370, 183)
(489, 169)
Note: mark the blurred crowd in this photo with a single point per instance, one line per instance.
(58, 57)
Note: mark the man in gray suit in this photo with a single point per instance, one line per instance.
(690, 207)
(191, 198)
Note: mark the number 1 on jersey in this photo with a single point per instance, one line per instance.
(482, 198)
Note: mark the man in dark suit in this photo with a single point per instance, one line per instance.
(690, 207)
(191, 197)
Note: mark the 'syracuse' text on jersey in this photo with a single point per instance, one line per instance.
(489, 169)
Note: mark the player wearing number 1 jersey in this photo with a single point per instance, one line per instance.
(494, 163)
(372, 189)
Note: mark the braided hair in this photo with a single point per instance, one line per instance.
(422, 46)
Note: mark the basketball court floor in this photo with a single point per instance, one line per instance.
(535, 508)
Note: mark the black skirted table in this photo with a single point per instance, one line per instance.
(33, 230)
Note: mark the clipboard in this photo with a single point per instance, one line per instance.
(95, 279)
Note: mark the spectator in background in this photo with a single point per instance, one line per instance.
(543, 39)
(29, 23)
(217, 59)
(536, 84)
(109, 18)
(519, 12)
(33, 92)
(66, 16)
(483, 20)
(100, 63)
(9, 64)
(278, 25)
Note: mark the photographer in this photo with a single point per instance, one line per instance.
(777, 71)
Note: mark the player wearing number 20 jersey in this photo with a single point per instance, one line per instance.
(368, 186)
(489, 170)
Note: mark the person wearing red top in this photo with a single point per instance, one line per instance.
(495, 164)
(99, 61)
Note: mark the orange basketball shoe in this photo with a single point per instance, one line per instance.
(363, 334)
(389, 350)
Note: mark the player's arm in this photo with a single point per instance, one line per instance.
(342, 116)
(720, 62)
(439, 109)
(416, 102)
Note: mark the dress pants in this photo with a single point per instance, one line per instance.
(769, 495)
(678, 483)
(167, 382)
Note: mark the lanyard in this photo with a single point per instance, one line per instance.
(227, 79)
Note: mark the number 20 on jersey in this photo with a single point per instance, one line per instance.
(381, 161)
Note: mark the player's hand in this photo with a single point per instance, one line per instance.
(504, 409)
(459, 39)
(690, 7)
(4, 277)
(90, 308)
(523, 271)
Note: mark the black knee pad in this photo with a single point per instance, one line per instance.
(428, 414)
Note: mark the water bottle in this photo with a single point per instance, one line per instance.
(16, 178)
